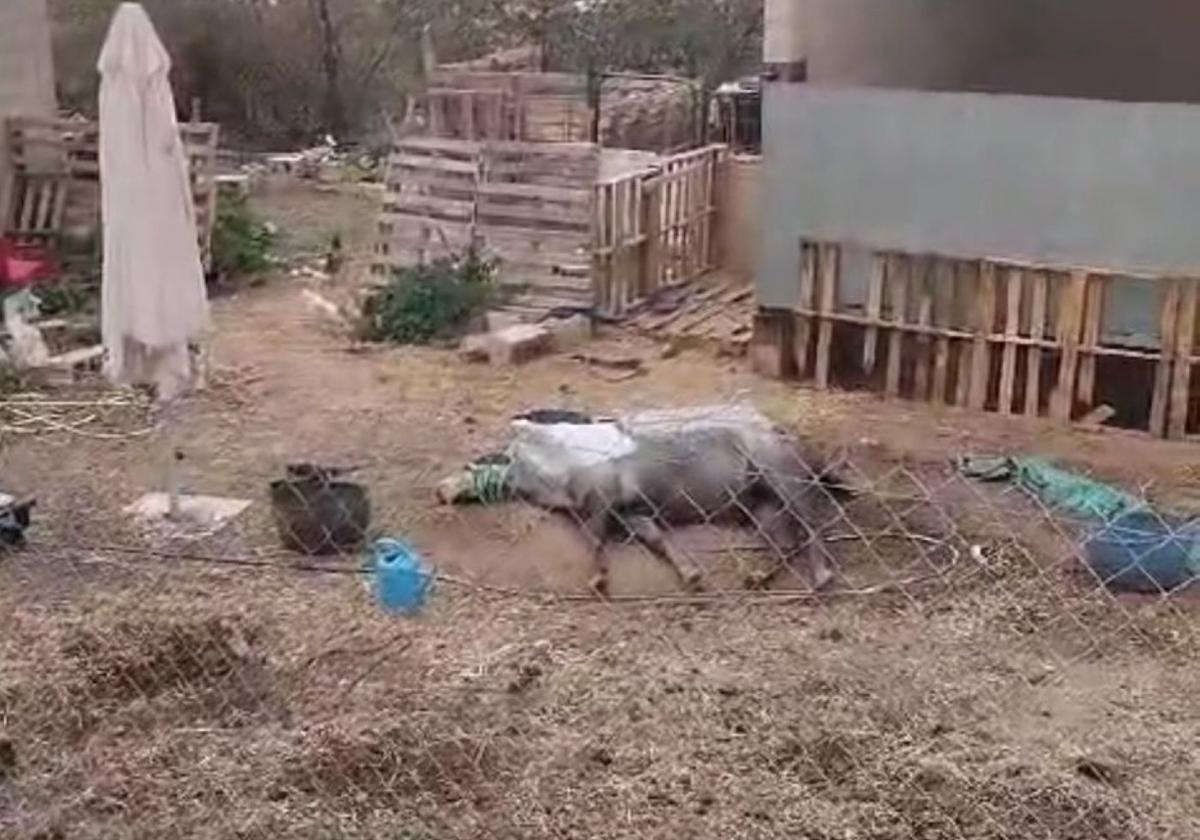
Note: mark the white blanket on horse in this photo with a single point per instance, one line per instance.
(545, 458)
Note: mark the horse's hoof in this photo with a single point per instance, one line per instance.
(599, 585)
(822, 580)
(759, 580)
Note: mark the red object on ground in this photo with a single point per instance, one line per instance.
(21, 265)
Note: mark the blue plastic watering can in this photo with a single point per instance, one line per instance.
(402, 581)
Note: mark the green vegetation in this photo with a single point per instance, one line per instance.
(424, 303)
(242, 242)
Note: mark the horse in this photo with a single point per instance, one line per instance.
(752, 477)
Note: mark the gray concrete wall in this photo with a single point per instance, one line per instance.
(1113, 49)
(1072, 182)
(739, 218)
(26, 67)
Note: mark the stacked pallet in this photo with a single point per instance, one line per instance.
(990, 335)
(525, 205)
(655, 228)
(69, 151)
(429, 208)
(534, 215)
(655, 113)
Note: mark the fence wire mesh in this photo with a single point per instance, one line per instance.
(704, 627)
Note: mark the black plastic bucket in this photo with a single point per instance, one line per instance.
(318, 517)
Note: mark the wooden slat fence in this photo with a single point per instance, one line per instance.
(429, 206)
(527, 205)
(655, 228)
(993, 335)
(655, 113)
(70, 150)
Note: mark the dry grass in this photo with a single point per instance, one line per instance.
(319, 718)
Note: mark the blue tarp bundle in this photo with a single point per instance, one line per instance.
(1129, 545)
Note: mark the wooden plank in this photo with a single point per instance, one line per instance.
(830, 274)
(407, 202)
(614, 227)
(651, 270)
(563, 239)
(985, 324)
(27, 207)
(921, 283)
(1168, 325)
(432, 164)
(571, 196)
(899, 272)
(1093, 317)
(808, 286)
(1037, 331)
(1014, 279)
(1070, 325)
(598, 241)
(874, 312)
(534, 216)
(943, 309)
(436, 145)
(1185, 345)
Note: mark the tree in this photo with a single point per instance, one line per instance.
(251, 62)
(331, 60)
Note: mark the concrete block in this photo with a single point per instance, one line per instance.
(519, 344)
(570, 333)
(475, 348)
(499, 320)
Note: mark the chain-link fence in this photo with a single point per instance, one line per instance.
(675, 623)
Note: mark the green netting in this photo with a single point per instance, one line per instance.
(1061, 490)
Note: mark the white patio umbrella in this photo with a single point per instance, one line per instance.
(154, 299)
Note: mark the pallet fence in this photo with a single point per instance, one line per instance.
(655, 228)
(988, 335)
(66, 153)
(655, 113)
(525, 204)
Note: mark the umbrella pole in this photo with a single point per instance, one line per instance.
(174, 459)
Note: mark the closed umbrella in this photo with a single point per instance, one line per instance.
(154, 299)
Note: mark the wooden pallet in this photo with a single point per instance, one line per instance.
(986, 335)
(716, 314)
(654, 229)
(37, 203)
(70, 150)
(524, 204)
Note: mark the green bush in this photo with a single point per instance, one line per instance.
(424, 303)
(242, 242)
(70, 296)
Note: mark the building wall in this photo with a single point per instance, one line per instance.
(1107, 49)
(739, 218)
(1069, 182)
(26, 67)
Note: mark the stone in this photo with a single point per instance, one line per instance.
(497, 320)
(570, 333)
(475, 348)
(519, 344)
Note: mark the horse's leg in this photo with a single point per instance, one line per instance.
(596, 527)
(768, 519)
(654, 538)
(777, 525)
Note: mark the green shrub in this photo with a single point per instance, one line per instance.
(242, 242)
(68, 296)
(423, 303)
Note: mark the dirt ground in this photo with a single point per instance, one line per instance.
(148, 688)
